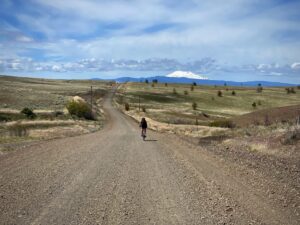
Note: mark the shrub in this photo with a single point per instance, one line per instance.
(127, 106)
(298, 87)
(222, 123)
(212, 98)
(233, 93)
(291, 136)
(80, 109)
(186, 92)
(146, 81)
(58, 113)
(17, 129)
(194, 105)
(220, 94)
(254, 104)
(192, 88)
(258, 102)
(290, 90)
(174, 91)
(144, 109)
(166, 84)
(4, 118)
(267, 121)
(152, 85)
(259, 88)
(28, 113)
(194, 84)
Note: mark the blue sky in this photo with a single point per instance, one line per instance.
(238, 40)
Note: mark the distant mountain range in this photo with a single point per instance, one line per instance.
(185, 80)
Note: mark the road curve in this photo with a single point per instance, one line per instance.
(113, 177)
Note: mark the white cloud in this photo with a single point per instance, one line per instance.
(295, 66)
(24, 39)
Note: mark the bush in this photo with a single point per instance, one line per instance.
(144, 109)
(291, 137)
(127, 106)
(259, 102)
(194, 105)
(259, 88)
(166, 84)
(186, 92)
(254, 104)
(28, 113)
(222, 123)
(233, 93)
(4, 118)
(298, 87)
(220, 94)
(194, 84)
(80, 109)
(146, 81)
(192, 88)
(18, 130)
(290, 90)
(174, 91)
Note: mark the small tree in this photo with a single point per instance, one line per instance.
(233, 93)
(174, 91)
(166, 84)
(254, 104)
(192, 88)
(28, 113)
(152, 85)
(146, 81)
(298, 87)
(186, 92)
(194, 105)
(195, 84)
(259, 88)
(155, 81)
(225, 84)
(220, 94)
(127, 106)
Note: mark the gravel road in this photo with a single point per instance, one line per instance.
(113, 177)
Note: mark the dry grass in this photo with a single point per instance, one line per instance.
(48, 99)
(165, 106)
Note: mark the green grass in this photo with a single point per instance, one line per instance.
(165, 106)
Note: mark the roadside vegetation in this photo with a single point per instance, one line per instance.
(33, 109)
(260, 116)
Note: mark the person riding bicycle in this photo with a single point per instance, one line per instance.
(144, 126)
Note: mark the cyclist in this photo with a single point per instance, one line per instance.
(144, 126)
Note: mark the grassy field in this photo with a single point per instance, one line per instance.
(173, 103)
(47, 98)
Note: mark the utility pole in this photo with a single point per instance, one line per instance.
(139, 104)
(91, 97)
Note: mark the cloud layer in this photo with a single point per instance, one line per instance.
(158, 35)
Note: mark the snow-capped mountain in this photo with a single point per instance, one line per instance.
(186, 74)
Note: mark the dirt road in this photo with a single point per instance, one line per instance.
(113, 177)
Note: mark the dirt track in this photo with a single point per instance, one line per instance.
(113, 177)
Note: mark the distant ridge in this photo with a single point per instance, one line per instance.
(164, 79)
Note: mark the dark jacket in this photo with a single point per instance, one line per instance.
(143, 124)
